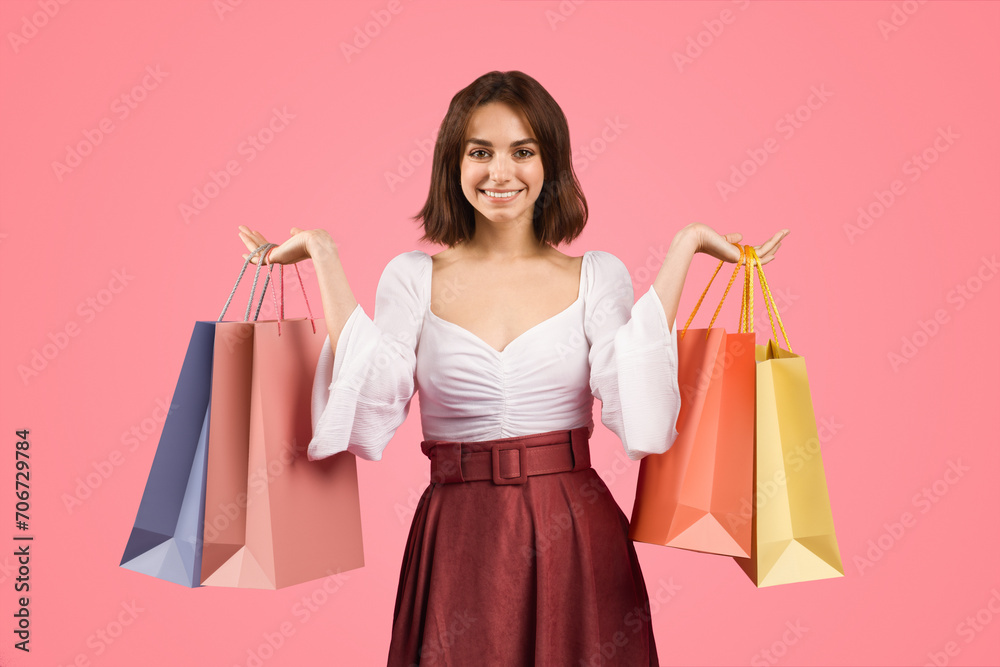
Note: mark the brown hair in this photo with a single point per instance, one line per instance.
(560, 211)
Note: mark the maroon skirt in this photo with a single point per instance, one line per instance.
(535, 573)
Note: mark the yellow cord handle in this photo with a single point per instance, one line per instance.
(746, 326)
(702, 297)
(746, 306)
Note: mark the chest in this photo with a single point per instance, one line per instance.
(499, 304)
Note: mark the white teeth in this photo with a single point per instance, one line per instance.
(502, 195)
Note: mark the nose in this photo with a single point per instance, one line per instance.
(500, 169)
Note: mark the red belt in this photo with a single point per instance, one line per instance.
(508, 460)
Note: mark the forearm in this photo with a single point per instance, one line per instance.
(335, 292)
(669, 281)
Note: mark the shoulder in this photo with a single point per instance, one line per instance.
(605, 269)
(406, 274)
(605, 261)
(608, 280)
(407, 266)
(409, 261)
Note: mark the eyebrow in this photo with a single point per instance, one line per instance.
(489, 144)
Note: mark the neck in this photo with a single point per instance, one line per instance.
(503, 241)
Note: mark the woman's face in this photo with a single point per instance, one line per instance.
(501, 157)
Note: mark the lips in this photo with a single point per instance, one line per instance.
(508, 197)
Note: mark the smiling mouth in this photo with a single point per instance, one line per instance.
(499, 195)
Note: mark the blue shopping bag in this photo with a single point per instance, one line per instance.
(166, 539)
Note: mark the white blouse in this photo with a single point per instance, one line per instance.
(602, 346)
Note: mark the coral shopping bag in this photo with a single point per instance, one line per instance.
(272, 517)
(792, 525)
(693, 495)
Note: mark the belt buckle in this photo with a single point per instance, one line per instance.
(521, 461)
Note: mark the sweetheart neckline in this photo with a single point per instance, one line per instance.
(579, 299)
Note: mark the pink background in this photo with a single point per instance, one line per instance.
(652, 140)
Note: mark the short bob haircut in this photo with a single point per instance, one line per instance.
(560, 210)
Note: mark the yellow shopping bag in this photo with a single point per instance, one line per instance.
(792, 524)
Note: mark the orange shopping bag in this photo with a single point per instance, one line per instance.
(698, 494)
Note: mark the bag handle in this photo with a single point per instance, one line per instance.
(746, 311)
(280, 310)
(746, 306)
(719, 307)
(246, 316)
(266, 249)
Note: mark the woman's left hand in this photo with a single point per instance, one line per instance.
(722, 247)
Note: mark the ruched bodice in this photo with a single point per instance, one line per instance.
(602, 346)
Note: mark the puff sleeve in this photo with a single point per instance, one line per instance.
(361, 394)
(633, 359)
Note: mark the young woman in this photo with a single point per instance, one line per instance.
(517, 554)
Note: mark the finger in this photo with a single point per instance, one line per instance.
(251, 245)
(257, 236)
(778, 238)
(260, 240)
(765, 260)
(248, 242)
(767, 257)
(766, 247)
(764, 251)
(252, 239)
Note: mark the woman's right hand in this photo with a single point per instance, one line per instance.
(295, 249)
